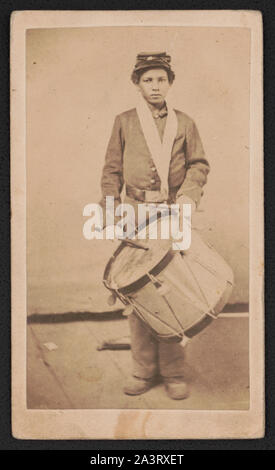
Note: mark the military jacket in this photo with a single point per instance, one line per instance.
(128, 160)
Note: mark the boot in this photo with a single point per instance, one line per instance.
(176, 388)
(137, 385)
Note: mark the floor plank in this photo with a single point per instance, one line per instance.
(43, 388)
(216, 368)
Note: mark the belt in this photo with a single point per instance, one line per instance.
(144, 195)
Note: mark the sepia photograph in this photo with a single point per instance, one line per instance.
(137, 231)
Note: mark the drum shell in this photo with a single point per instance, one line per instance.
(186, 296)
(182, 294)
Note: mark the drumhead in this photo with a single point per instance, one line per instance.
(129, 264)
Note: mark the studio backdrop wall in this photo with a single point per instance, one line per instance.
(78, 80)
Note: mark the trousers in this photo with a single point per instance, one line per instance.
(151, 357)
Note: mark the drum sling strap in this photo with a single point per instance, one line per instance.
(160, 151)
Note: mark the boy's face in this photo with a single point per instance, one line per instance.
(154, 86)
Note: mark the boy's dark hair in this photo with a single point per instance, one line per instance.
(136, 74)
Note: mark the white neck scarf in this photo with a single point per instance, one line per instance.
(160, 151)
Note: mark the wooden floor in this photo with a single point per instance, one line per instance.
(66, 371)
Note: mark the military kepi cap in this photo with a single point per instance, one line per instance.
(146, 60)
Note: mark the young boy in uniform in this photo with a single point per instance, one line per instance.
(156, 152)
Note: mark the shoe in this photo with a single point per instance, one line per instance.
(176, 388)
(137, 386)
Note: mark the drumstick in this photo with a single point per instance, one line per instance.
(135, 244)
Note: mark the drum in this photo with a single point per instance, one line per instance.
(176, 294)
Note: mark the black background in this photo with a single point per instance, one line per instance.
(7, 442)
